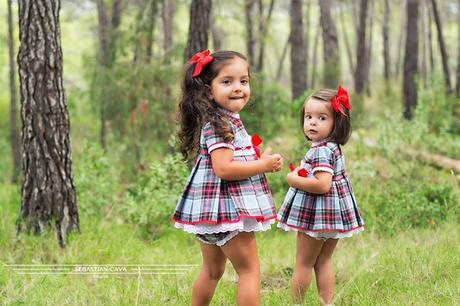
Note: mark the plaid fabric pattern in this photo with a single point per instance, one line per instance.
(209, 199)
(334, 211)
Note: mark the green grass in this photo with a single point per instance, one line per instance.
(416, 267)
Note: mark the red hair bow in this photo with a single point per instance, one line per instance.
(201, 59)
(340, 100)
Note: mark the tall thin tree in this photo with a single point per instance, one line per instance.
(347, 43)
(250, 36)
(298, 50)
(424, 41)
(197, 40)
(457, 87)
(264, 23)
(14, 133)
(386, 39)
(314, 61)
(442, 46)
(167, 14)
(410, 59)
(361, 53)
(48, 192)
(108, 37)
(331, 69)
(369, 48)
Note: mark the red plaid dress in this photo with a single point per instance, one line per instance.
(209, 200)
(334, 214)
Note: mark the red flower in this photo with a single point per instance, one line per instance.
(303, 173)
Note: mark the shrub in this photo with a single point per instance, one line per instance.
(151, 202)
(95, 181)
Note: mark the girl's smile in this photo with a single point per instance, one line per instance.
(230, 88)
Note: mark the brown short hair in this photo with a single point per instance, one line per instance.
(342, 125)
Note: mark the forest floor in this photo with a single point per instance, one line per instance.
(415, 267)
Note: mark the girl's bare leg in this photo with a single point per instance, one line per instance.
(242, 253)
(308, 249)
(212, 270)
(324, 270)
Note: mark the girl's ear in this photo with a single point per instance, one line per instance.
(208, 91)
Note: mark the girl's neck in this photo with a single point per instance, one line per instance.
(315, 143)
(229, 113)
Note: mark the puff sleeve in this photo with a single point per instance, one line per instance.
(212, 140)
(322, 159)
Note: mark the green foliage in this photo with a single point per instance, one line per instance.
(266, 112)
(401, 206)
(150, 203)
(331, 72)
(96, 181)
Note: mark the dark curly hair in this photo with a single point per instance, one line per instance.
(342, 125)
(196, 107)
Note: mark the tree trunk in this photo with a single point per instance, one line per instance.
(386, 34)
(331, 69)
(367, 84)
(198, 30)
(315, 53)
(48, 192)
(400, 39)
(361, 52)
(107, 53)
(307, 40)
(430, 35)
(216, 33)
(14, 133)
(153, 10)
(263, 27)
(168, 24)
(347, 45)
(457, 87)
(250, 38)
(410, 59)
(423, 36)
(442, 46)
(283, 56)
(139, 37)
(298, 50)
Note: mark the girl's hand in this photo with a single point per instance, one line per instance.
(292, 176)
(272, 162)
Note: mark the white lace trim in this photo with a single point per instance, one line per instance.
(244, 225)
(322, 235)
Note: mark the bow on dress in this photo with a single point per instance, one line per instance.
(255, 141)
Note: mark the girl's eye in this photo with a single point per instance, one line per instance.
(322, 118)
(244, 82)
(308, 117)
(226, 82)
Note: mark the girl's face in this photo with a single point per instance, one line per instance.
(230, 88)
(319, 119)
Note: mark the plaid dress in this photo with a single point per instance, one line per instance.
(210, 200)
(334, 214)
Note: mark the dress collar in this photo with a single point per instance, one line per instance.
(320, 142)
(229, 113)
